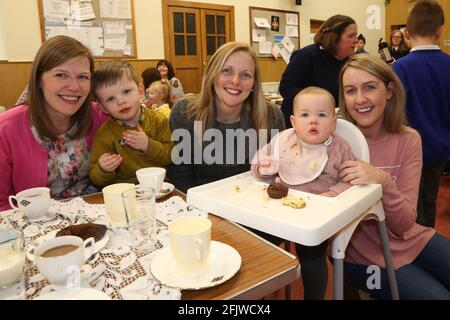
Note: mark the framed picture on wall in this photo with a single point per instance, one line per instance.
(275, 23)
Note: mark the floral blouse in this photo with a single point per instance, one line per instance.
(68, 165)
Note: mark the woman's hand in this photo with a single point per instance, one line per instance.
(109, 162)
(360, 172)
(269, 166)
(136, 139)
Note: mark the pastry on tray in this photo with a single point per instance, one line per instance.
(276, 190)
(84, 231)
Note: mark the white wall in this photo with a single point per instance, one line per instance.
(20, 23)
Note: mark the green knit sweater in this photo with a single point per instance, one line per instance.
(107, 140)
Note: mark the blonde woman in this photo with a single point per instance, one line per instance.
(231, 103)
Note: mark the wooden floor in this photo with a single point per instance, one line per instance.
(442, 227)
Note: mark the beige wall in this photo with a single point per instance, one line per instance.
(20, 23)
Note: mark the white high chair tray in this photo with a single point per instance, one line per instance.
(319, 220)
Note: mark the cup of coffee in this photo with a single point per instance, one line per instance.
(190, 239)
(60, 259)
(12, 257)
(33, 203)
(112, 197)
(152, 177)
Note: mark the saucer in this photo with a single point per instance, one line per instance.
(165, 186)
(75, 294)
(99, 245)
(222, 264)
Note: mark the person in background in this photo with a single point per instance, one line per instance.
(398, 46)
(372, 97)
(425, 75)
(230, 99)
(360, 44)
(47, 142)
(159, 94)
(134, 137)
(319, 64)
(149, 75)
(168, 73)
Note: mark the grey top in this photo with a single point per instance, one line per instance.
(211, 161)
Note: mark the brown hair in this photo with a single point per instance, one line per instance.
(201, 106)
(425, 18)
(402, 46)
(317, 91)
(112, 71)
(330, 32)
(163, 87)
(52, 53)
(394, 114)
(150, 75)
(170, 69)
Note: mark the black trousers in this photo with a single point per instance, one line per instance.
(428, 191)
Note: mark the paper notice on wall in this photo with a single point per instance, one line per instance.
(56, 9)
(259, 35)
(292, 31)
(276, 51)
(262, 22)
(287, 43)
(265, 47)
(118, 9)
(82, 12)
(285, 54)
(292, 19)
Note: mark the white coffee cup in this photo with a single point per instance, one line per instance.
(112, 197)
(152, 177)
(33, 203)
(59, 258)
(190, 239)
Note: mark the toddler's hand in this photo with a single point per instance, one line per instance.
(136, 139)
(269, 166)
(109, 162)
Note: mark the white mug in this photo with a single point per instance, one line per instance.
(33, 203)
(59, 258)
(152, 177)
(112, 197)
(190, 239)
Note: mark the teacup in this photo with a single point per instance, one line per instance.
(62, 257)
(190, 239)
(112, 197)
(152, 177)
(33, 203)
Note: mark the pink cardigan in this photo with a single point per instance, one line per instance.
(401, 156)
(23, 161)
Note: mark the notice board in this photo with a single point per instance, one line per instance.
(270, 27)
(106, 27)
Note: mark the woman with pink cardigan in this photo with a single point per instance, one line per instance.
(46, 143)
(373, 98)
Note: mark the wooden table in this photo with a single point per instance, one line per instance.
(265, 267)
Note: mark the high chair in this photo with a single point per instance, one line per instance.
(323, 217)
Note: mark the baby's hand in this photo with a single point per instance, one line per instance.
(269, 166)
(136, 139)
(109, 162)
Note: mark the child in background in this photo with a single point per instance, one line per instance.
(308, 157)
(159, 94)
(425, 75)
(134, 137)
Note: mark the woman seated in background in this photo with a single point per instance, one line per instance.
(230, 103)
(46, 143)
(372, 97)
(168, 73)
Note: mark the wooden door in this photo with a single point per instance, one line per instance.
(192, 33)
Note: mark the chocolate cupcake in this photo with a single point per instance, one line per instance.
(276, 190)
(84, 231)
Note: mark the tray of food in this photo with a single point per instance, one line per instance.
(294, 215)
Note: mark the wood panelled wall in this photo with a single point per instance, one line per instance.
(397, 10)
(14, 78)
(14, 75)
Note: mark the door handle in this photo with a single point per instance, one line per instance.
(205, 63)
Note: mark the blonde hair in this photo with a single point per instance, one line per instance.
(394, 114)
(163, 88)
(317, 91)
(201, 106)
